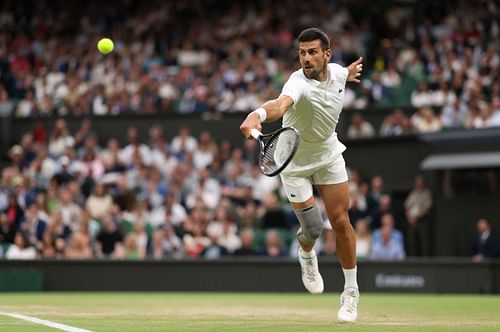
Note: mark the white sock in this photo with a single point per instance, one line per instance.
(307, 254)
(351, 280)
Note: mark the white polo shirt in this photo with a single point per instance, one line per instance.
(315, 113)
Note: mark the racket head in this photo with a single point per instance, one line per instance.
(277, 150)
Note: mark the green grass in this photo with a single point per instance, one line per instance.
(249, 312)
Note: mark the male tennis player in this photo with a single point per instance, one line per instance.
(311, 101)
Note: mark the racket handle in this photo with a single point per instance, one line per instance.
(255, 133)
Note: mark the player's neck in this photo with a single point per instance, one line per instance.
(322, 76)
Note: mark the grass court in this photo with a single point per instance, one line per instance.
(248, 312)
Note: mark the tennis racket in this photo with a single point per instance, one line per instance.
(276, 149)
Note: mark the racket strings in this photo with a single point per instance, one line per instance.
(278, 151)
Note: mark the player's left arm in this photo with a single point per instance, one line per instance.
(354, 70)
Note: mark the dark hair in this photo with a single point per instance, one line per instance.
(311, 34)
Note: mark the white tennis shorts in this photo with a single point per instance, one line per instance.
(299, 187)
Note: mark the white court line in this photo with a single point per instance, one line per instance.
(44, 322)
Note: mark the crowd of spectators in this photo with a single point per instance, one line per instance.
(228, 56)
(67, 195)
(63, 195)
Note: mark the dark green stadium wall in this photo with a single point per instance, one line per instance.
(252, 275)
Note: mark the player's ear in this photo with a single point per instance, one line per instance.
(328, 54)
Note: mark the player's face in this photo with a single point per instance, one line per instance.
(313, 59)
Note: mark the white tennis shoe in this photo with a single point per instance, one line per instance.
(311, 277)
(348, 312)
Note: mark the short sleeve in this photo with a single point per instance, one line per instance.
(294, 89)
(339, 73)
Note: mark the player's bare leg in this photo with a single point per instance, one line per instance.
(311, 227)
(336, 199)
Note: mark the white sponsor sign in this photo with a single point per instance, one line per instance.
(383, 280)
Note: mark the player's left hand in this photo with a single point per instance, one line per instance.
(355, 69)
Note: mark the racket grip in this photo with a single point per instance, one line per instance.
(255, 133)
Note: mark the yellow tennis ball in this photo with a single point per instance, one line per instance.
(105, 45)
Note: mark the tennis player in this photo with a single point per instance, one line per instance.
(311, 101)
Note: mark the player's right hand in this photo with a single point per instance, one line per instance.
(252, 121)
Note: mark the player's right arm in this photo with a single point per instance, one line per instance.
(271, 110)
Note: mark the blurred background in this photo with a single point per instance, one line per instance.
(137, 155)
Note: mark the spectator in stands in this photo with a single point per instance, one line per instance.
(71, 213)
(99, 203)
(6, 103)
(14, 212)
(109, 238)
(378, 92)
(386, 248)
(376, 192)
(359, 128)
(236, 187)
(130, 248)
(183, 143)
(29, 150)
(33, 226)
(425, 121)
(172, 213)
(273, 246)
(47, 247)
(16, 155)
(63, 176)
(495, 106)
(483, 118)
(4, 188)
(388, 220)
(206, 189)
(246, 249)
(84, 131)
(195, 239)
(486, 244)
(7, 229)
(363, 239)
(172, 244)
(122, 195)
(261, 184)
(273, 215)
(224, 229)
(60, 139)
(418, 205)
(21, 249)
(215, 249)
(250, 151)
(396, 124)
(328, 247)
(444, 96)
(247, 215)
(453, 115)
(58, 230)
(390, 78)
(78, 247)
(422, 97)
(205, 152)
(142, 237)
(385, 206)
(135, 149)
(157, 250)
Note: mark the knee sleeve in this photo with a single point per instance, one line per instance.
(311, 225)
